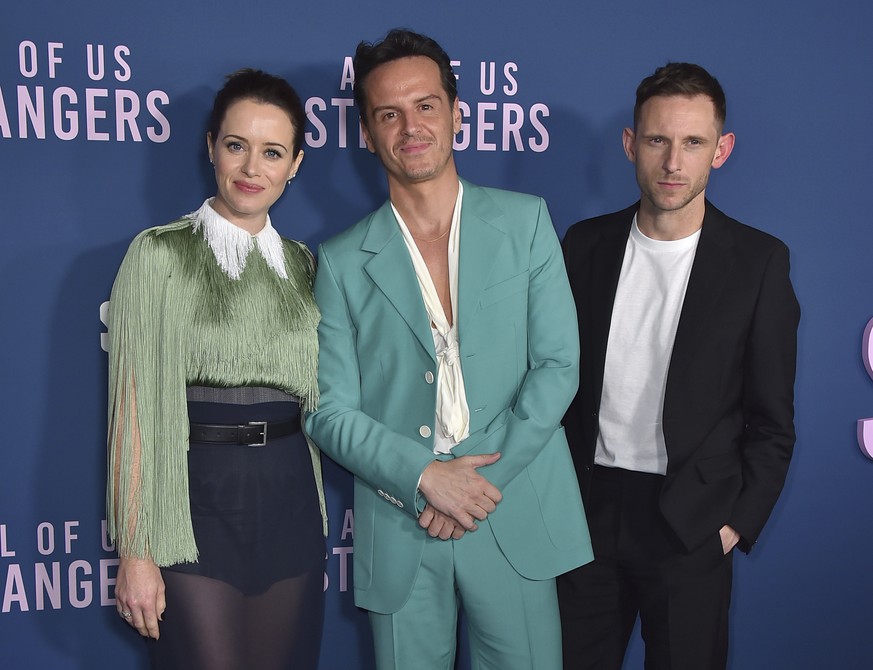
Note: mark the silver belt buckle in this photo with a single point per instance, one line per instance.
(263, 425)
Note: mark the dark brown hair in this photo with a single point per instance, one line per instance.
(399, 43)
(686, 79)
(249, 84)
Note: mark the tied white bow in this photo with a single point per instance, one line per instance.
(451, 407)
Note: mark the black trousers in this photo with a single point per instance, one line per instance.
(641, 568)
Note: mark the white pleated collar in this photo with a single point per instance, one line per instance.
(231, 244)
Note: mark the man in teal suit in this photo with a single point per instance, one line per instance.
(449, 353)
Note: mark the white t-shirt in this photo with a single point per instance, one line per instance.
(648, 301)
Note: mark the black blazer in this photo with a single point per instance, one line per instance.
(728, 415)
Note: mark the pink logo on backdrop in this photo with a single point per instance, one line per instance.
(865, 426)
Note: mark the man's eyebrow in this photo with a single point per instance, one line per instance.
(430, 96)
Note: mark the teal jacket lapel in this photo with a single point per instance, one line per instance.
(480, 243)
(391, 270)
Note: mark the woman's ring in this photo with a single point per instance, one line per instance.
(126, 615)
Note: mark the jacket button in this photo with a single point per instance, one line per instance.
(424, 431)
(428, 377)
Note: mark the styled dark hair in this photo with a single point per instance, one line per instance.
(399, 43)
(686, 79)
(249, 84)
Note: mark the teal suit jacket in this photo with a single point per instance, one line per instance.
(519, 354)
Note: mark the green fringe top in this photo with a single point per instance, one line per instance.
(177, 319)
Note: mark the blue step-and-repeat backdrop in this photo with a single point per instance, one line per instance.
(103, 108)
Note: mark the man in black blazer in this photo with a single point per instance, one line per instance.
(683, 425)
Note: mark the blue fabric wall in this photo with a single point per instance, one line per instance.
(102, 123)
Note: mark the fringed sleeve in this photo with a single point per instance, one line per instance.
(303, 355)
(305, 263)
(147, 494)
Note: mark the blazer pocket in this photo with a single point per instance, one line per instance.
(719, 467)
(506, 288)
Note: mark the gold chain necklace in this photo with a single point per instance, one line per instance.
(436, 239)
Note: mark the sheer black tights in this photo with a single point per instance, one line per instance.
(210, 625)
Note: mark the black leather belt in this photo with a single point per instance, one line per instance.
(252, 434)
